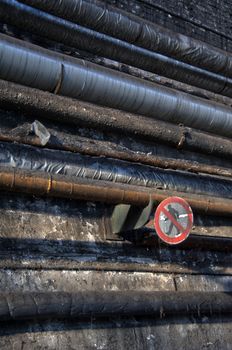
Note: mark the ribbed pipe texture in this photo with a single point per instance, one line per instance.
(68, 33)
(33, 66)
(125, 26)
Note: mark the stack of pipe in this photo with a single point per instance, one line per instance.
(70, 128)
(91, 110)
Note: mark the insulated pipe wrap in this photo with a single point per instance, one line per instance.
(41, 184)
(87, 81)
(51, 27)
(108, 20)
(21, 65)
(95, 15)
(115, 171)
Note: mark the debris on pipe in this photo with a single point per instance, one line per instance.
(77, 113)
(98, 148)
(126, 26)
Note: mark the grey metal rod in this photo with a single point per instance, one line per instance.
(33, 66)
(125, 26)
(51, 27)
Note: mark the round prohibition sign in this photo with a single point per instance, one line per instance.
(173, 220)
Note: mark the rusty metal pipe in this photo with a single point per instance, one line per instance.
(86, 146)
(116, 171)
(39, 183)
(41, 104)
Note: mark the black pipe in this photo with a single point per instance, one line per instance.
(51, 27)
(109, 20)
(15, 127)
(111, 170)
(36, 67)
(38, 104)
(21, 306)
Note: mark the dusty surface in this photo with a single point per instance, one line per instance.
(55, 245)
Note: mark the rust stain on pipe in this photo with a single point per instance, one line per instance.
(39, 183)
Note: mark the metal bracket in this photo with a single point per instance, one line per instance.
(126, 217)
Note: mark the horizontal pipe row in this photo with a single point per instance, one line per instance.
(50, 27)
(44, 184)
(161, 80)
(40, 104)
(109, 20)
(30, 65)
(21, 306)
(91, 141)
(99, 148)
(115, 171)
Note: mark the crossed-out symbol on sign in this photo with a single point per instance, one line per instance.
(173, 220)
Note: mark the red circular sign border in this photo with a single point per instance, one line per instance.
(183, 235)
